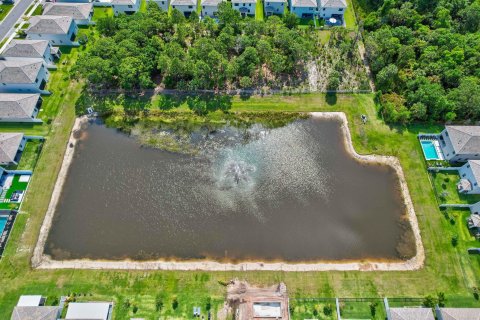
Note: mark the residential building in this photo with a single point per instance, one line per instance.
(162, 4)
(210, 8)
(89, 311)
(27, 76)
(40, 49)
(60, 30)
(304, 8)
(11, 147)
(184, 6)
(15, 107)
(412, 313)
(469, 177)
(332, 9)
(125, 6)
(75, 1)
(460, 143)
(245, 7)
(32, 307)
(81, 13)
(458, 313)
(274, 7)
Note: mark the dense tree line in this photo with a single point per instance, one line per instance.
(425, 55)
(145, 49)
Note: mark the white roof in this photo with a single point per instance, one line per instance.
(267, 310)
(304, 3)
(87, 311)
(333, 3)
(29, 301)
(411, 314)
(459, 313)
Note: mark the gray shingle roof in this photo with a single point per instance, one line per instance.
(465, 139)
(304, 3)
(26, 48)
(78, 11)
(333, 3)
(124, 2)
(211, 2)
(20, 71)
(276, 1)
(17, 106)
(183, 3)
(475, 167)
(460, 313)
(35, 313)
(49, 24)
(244, 1)
(411, 314)
(9, 144)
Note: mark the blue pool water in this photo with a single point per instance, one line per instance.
(3, 222)
(429, 150)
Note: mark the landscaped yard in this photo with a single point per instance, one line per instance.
(30, 155)
(17, 185)
(446, 189)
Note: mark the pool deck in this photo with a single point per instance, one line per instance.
(11, 215)
(43, 261)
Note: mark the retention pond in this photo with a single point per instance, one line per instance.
(291, 194)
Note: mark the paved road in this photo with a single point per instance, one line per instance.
(11, 19)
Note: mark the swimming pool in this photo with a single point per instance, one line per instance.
(3, 222)
(429, 150)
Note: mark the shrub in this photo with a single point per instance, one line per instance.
(175, 304)
(455, 240)
(328, 310)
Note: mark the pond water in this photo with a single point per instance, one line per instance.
(291, 194)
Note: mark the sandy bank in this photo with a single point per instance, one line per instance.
(42, 261)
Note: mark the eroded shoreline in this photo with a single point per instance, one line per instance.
(43, 261)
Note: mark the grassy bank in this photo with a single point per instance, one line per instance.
(448, 269)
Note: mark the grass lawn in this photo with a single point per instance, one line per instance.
(4, 10)
(362, 310)
(16, 186)
(446, 189)
(259, 14)
(38, 11)
(30, 155)
(349, 16)
(102, 12)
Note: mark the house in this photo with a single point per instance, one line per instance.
(18, 107)
(245, 7)
(210, 8)
(412, 313)
(332, 9)
(184, 6)
(125, 6)
(469, 177)
(32, 307)
(458, 313)
(81, 13)
(60, 30)
(27, 76)
(89, 311)
(11, 147)
(162, 4)
(304, 8)
(460, 143)
(40, 49)
(274, 7)
(74, 1)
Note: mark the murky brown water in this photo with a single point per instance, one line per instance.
(291, 193)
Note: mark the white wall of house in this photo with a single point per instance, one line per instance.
(328, 12)
(75, 1)
(466, 173)
(27, 87)
(278, 7)
(210, 11)
(250, 7)
(22, 144)
(303, 12)
(185, 9)
(58, 39)
(162, 4)
(449, 152)
(127, 9)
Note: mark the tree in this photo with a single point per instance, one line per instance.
(466, 104)
(470, 17)
(290, 19)
(248, 61)
(387, 77)
(107, 26)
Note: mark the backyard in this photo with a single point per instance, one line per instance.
(445, 184)
(152, 294)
